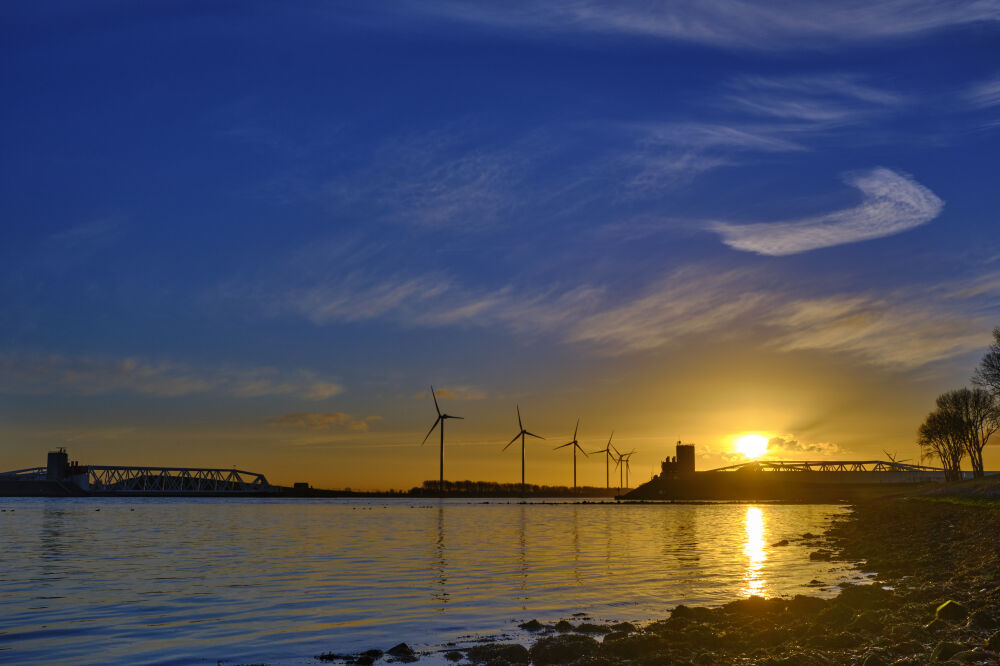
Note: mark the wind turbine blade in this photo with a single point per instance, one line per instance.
(438, 420)
(512, 441)
(581, 450)
(436, 408)
(609, 438)
(447, 416)
(519, 424)
(575, 429)
(561, 446)
(531, 434)
(599, 451)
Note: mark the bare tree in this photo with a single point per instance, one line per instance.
(978, 414)
(967, 418)
(940, 436)
(987, 375)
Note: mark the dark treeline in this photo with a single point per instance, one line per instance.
(493, 489)
(964, 419)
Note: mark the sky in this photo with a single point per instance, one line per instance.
(253, 234)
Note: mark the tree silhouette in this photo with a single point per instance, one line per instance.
(939, 436)
(987, 375)
(962, 424)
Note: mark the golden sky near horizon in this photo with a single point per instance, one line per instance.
(810, 406)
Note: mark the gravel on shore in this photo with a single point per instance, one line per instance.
(936, 599)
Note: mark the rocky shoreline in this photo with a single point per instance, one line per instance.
(936, 599)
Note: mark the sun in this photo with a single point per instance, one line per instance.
(752, 445)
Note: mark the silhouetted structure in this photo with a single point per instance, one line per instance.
(608, 455)
(521, 434)
(60, 477)
(681, 464)
(441, 418)
(576, 445)
(800, 480)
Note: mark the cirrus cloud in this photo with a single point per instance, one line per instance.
(734, 24)
(322, 421)
(784, 445)
(454, 393)
(892, 203)
(33, 374)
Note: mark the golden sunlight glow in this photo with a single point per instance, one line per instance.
(754, 552)
(752, 445)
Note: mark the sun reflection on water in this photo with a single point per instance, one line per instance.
(754, 581)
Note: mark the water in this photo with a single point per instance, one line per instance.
(198, 581)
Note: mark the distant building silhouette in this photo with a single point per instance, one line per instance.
(680, 465)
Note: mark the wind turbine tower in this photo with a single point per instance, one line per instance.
(625, 458)
(521, 434)
(576, 445)
(441, 418)
(607, 460)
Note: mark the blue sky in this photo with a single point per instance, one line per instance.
(677, 220)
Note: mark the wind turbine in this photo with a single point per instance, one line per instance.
(892, 457)
(620, 468)
(607, 460)
(625, 458)
(440, 420)
(621, 464)
(521, 434)
(576, 445)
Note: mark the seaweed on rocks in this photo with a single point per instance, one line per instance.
(507, 654)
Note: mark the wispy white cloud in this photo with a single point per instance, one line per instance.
(906, 331)
(436, 180)
(892, 203)
(984, 94)
(656, 172)
(778, 446)
(433, 301)
(902, 329)
(356, 297)
(723, 23)
(33, 374)
(824, 101)
(454, 393)
(730, 137)
(86, 232)
(322, 421)
(685, 303)
(788, 114)
(668, 155)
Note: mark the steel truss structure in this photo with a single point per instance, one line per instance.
(175, 480)
(30, 474)
(826, 466)
(152, 480)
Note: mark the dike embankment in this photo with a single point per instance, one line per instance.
(936, 600)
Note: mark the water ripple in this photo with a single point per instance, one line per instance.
(198, 581)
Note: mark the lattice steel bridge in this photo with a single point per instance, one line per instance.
(826, 466)
(127, 480)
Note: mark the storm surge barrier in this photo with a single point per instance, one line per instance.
(175, 480)
(827, 466)
(61, 477)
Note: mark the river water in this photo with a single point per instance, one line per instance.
(176, 581)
